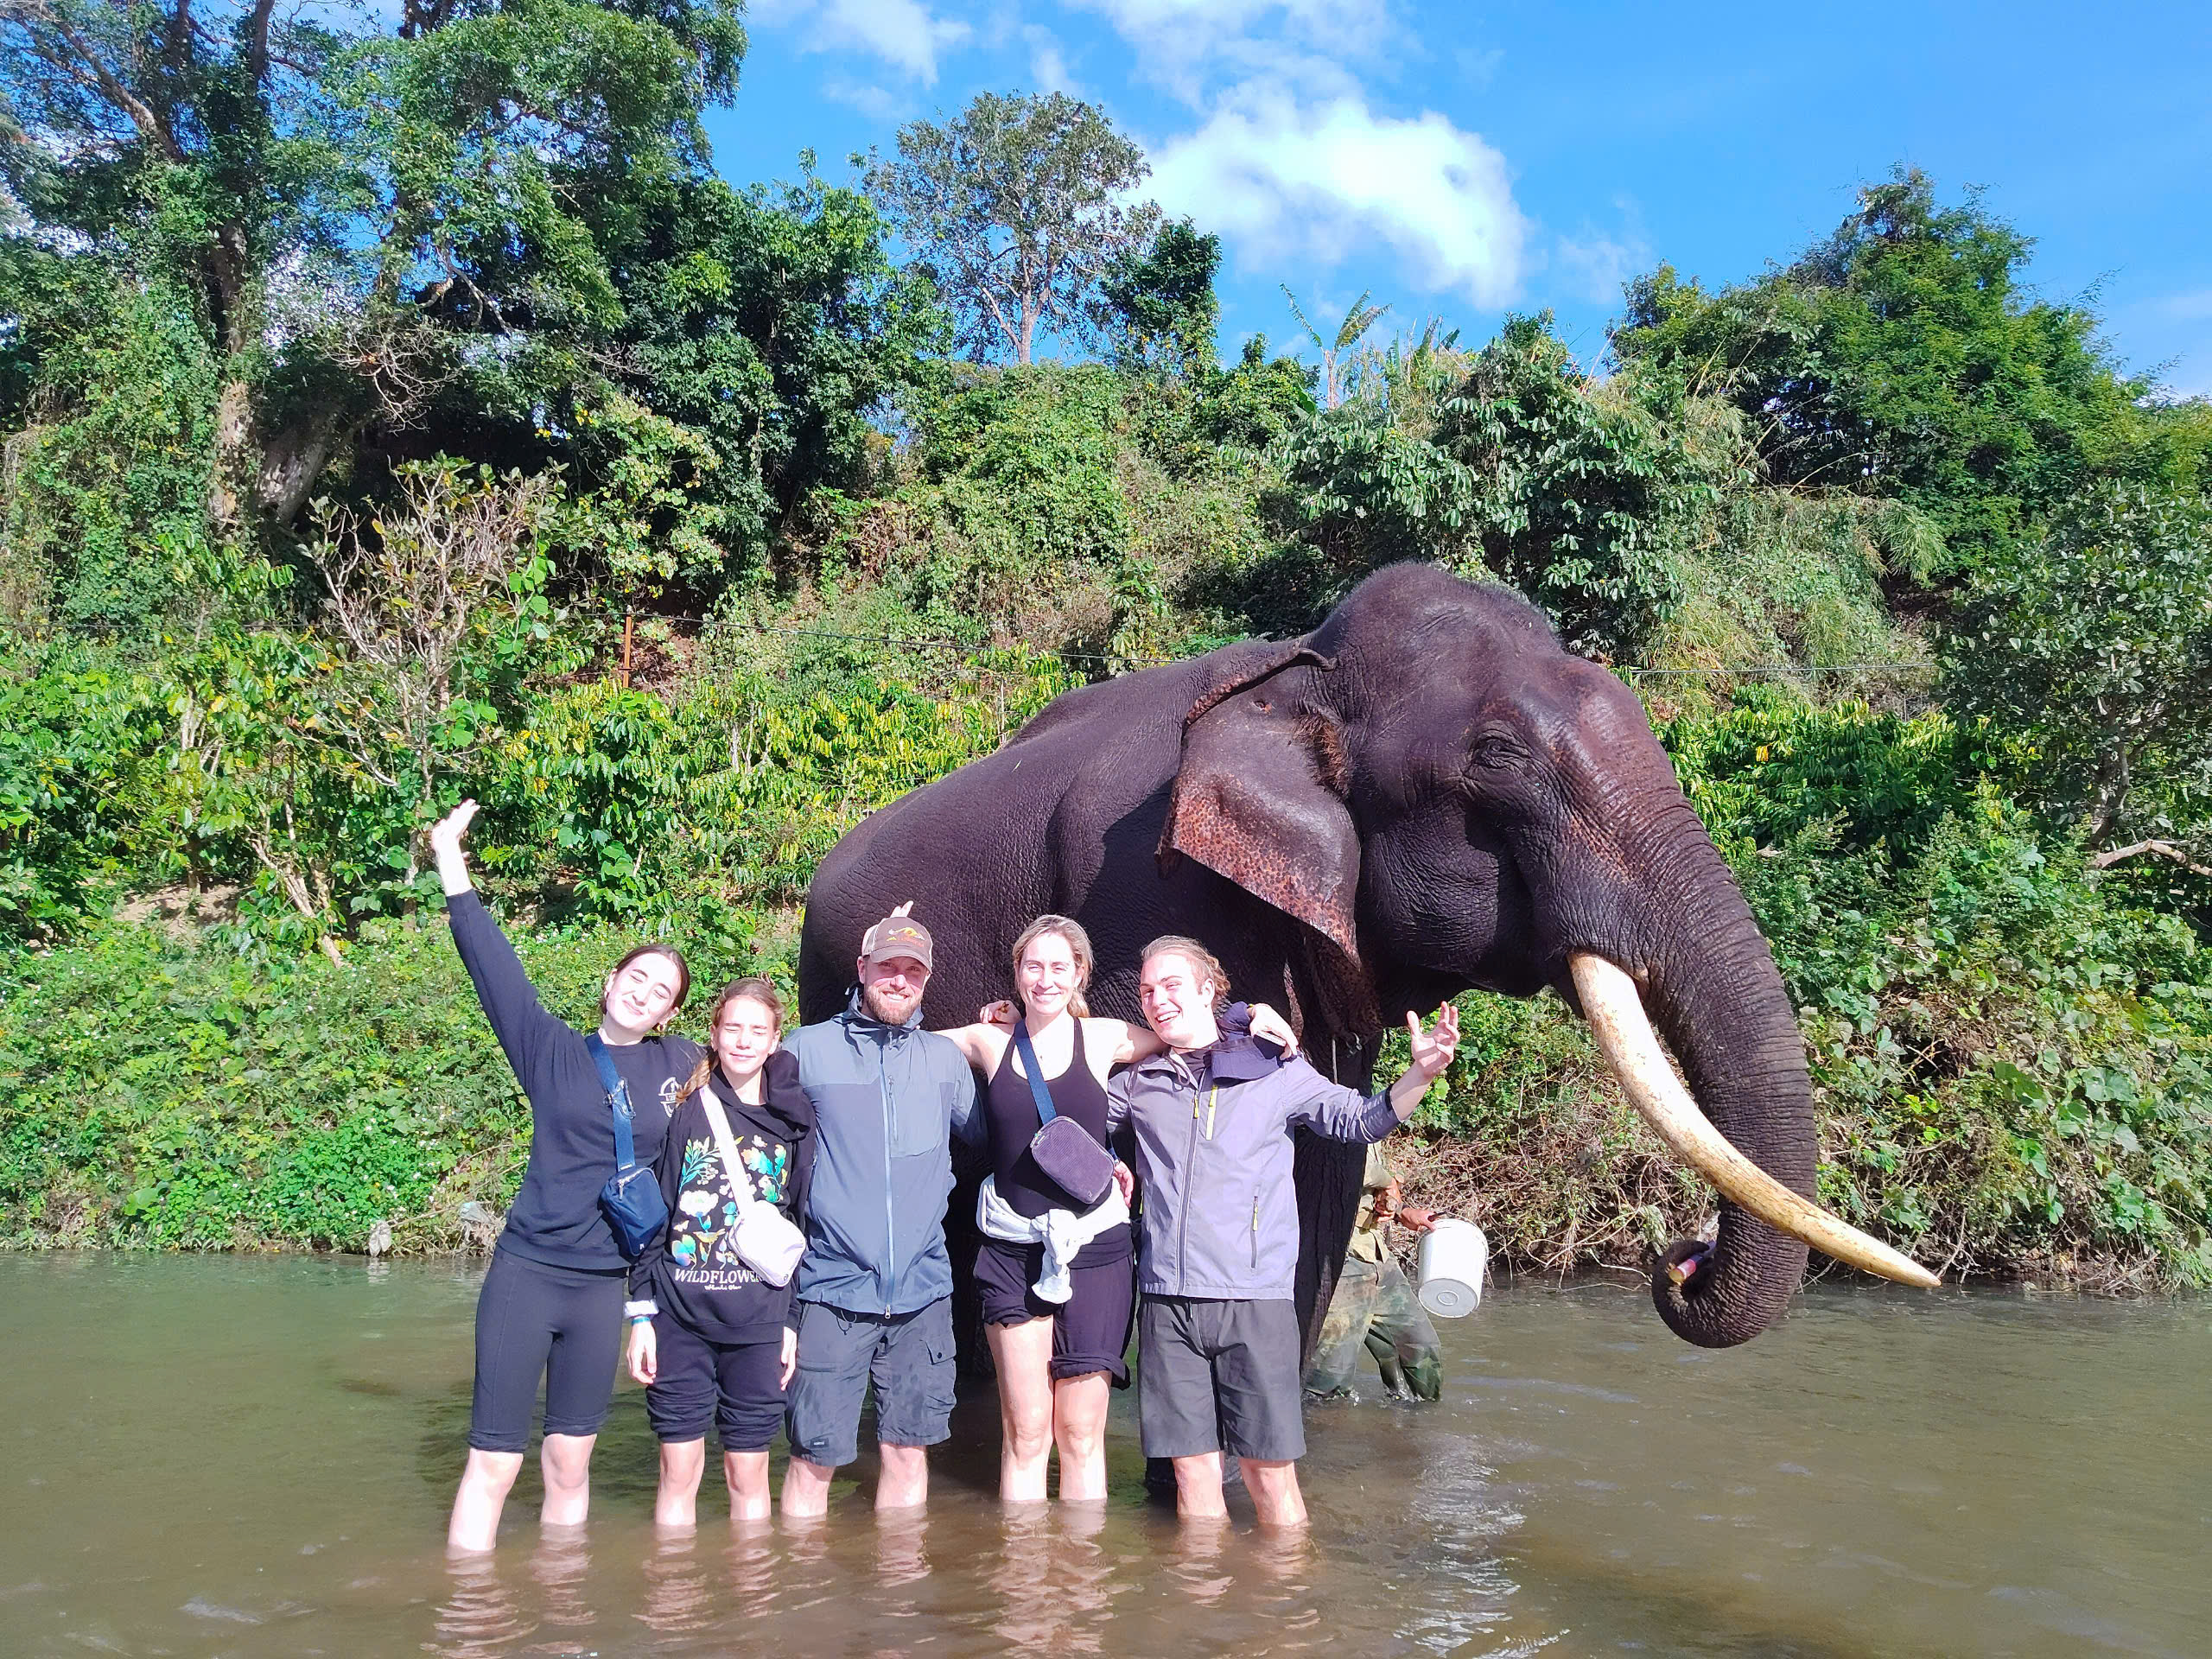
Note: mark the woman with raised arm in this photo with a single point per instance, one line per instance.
(551, 1306)
(1058, 1282)
(712, 1338)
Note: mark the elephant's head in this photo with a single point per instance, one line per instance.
(1450, 799)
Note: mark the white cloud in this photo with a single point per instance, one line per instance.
(1196, 48)
(877, 102)
(1600, 265)
(1290, 154)
(1048, 68)
(2185, 308)
(902, 33)
(1279, 175)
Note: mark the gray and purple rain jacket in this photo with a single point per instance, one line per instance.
(1212, 1133)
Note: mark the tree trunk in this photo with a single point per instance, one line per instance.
(235, 465)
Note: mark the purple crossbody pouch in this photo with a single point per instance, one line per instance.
(1070, 1159)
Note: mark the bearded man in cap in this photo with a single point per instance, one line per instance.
(875, 1289)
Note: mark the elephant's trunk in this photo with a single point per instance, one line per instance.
(1710, 986)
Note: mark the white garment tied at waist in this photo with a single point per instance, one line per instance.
(1062, 1232)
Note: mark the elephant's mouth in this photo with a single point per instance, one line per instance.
(1624, 1036)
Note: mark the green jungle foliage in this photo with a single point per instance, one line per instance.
(395, 409)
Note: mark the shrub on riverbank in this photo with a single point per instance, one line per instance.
(2012, 1057)
(179, 1093)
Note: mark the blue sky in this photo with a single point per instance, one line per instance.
(1464, 162)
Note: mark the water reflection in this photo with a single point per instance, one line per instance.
(481, 1613)
(902, 1552)
(1853, 1483)
(749, 1572)
(679, 1594)
(560, 1568)
(1053, 1581)
(1196, 1562)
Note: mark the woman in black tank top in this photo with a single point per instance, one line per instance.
(1056, 1360)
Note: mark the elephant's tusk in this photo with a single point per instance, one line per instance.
(1625, 1037)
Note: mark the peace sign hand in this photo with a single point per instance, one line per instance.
(1433, 1049)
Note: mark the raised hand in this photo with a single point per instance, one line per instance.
(999, 1013)
(445, 848)
(446, 833)
(1433, 1049)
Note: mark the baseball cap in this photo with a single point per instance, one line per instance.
(896, 936)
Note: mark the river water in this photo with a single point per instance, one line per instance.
(225, 1455)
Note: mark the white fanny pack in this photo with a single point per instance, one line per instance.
(765, 1241)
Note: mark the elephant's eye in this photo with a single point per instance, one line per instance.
(1497, 752)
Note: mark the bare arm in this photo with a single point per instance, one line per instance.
(983, 1046)
(1128, 1043)
(1343, 1115)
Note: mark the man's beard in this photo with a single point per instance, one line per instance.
(889, 1016)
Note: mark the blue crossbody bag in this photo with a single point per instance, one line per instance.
(631, 1200)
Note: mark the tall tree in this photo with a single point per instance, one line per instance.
(1902, 357)
(1018, 209)
(1158, 306)
(340, 201)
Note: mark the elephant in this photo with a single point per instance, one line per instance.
(1426, 794)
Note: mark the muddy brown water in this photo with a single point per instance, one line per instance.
(210, 1456)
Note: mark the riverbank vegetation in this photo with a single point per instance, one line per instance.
(682, 524)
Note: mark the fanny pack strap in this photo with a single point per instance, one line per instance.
(741, 1187)
(618, 1097)
(1037, 1091)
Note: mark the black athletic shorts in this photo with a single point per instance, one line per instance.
(1090, 1330)
(563, 1325)
(733, 1385)
(1220, 1376)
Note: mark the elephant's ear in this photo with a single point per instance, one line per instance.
(1256, 795)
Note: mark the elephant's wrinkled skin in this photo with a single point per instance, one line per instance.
(1425, 794)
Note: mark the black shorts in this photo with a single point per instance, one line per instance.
(1090, 1330)
(534, 1321)
(734, 1385)
(1221, 1376)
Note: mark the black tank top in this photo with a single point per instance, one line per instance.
(1012, 1113)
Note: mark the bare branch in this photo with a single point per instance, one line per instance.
(2157, 848)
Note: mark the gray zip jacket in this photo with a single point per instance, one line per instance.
(887, 1100)
(1213, 1150)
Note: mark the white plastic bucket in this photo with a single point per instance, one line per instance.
(1455, 1255)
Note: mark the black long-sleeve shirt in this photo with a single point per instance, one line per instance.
(692, 1271)
(555, 1217)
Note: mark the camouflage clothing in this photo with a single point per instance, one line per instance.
(1367, 1224)
(1375, 1307)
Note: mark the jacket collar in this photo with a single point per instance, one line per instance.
(858, 1019)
